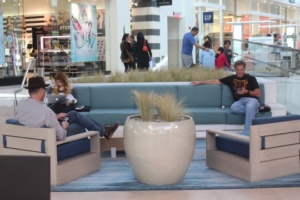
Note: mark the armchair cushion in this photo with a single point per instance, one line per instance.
(72, 149)
(232, 145)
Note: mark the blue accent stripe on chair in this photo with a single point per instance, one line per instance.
(4, 141)
(43, 147)
(263, 142)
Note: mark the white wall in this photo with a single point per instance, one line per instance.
(187, 10)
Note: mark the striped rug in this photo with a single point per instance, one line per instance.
(116, 175)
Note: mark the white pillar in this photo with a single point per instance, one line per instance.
(188, 14)
(117, 21)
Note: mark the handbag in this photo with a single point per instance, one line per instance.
(145, 48)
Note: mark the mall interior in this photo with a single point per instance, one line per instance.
(37, 39)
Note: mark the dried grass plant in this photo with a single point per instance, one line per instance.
(167, 107)
(154, 107)
(144, 103)
(171, 75)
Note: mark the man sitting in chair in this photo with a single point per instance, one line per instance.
(245, 92)
(33, 112)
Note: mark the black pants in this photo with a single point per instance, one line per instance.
(60, 108)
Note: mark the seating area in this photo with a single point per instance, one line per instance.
(209, 105)
(81, 150)
(270, 151)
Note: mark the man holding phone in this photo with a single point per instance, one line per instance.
(33, 112)
(245, 90)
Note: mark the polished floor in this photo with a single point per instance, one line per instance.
(244, 194)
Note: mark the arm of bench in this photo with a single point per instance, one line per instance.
(228, 134)
(78, 136)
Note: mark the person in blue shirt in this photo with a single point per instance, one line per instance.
(208, 57)
(187, 47)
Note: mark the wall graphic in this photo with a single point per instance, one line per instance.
(2, 53)
(83, 32)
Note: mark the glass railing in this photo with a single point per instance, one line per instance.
(281, 64)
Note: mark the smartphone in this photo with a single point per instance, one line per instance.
(66, 119)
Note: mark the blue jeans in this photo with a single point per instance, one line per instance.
(249, 107)
(78, 123)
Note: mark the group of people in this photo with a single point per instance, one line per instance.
(209, 59)
(33, 112)
(135, 54)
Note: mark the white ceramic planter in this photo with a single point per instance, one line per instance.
(159, 152)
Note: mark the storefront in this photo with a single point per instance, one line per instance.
(26, 21)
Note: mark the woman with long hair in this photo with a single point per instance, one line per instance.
(126, 52)
(144, 53)
(61, 86)
(221, 59)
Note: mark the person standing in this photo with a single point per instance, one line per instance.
(144, 53)
(227, 51)
(134, 51)
(221, 59)
(187, 47)
(208, 57)
(126, 52)
(245, 91)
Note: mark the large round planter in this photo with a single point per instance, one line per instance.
(159, 152)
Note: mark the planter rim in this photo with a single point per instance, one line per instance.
(132, 116)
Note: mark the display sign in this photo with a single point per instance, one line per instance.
(83, 32)
(208, 17)
(164, 2)
(292, 1)
(2, 53)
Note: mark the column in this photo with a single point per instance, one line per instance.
(117, 23)
(146, 19)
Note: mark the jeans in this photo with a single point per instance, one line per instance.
(78, 123)
(249, 107)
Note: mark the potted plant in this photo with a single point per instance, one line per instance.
(160, 142)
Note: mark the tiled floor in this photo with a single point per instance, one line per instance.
(245, 194)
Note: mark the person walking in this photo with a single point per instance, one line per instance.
(187, 47)
(134, 51)
(144, 53)
(126, 52)
(228, 51)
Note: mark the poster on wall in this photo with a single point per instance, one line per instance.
(83, 32)
(2, 53)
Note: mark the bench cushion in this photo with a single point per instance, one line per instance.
(111, 96)
(82, 94)
(200, 96)
(232, 118)
(209, 115)
(110, 116)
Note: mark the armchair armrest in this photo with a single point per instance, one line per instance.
(228, 134)
(78, 136)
